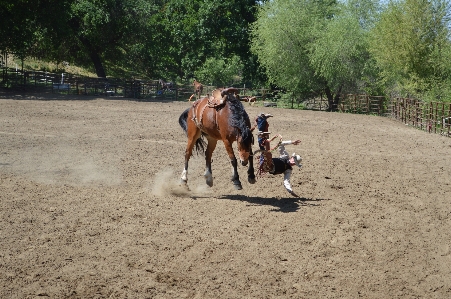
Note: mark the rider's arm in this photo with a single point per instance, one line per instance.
(287, 142)
(276, 136)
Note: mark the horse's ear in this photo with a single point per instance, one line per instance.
(224, 92)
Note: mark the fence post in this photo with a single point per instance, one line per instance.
(436, 115)
(320, 102)
(430, 117)
(397, 108)
(402, 109)
(449, 120)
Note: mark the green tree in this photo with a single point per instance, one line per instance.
(411, 45)
(107, 29)
(25, 23)
(191, 32)
(74, 30)
(165, 38)
(311, 47)
(219, 72)
(280, 39)
(339, 54)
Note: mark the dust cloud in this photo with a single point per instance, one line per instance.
(62, 164)
(166, 183)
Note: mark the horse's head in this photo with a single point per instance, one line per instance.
(244, 144)
(239, 120)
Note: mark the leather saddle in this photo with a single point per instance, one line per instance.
(219, 96)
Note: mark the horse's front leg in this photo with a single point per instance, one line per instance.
(208, 154)
(233, 160)
(235, 176)
(250, 170)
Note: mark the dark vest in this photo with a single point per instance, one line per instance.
(280, 165)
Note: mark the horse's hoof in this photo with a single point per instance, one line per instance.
(238, 187)
(251, 180)
(184, 184)
(209, 179)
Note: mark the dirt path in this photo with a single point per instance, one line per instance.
(90, 208)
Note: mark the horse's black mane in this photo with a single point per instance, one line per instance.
(239, 119)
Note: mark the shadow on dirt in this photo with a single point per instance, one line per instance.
(284, 205)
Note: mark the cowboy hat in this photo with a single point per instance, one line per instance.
(261, 133)
(297, 159)
(265, 114)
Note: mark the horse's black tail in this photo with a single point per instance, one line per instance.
(182, 120)
(200, 142)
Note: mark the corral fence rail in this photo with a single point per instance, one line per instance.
(365, 104)
(140, 89)
(432, 117)
(352, 103)
(82, 85)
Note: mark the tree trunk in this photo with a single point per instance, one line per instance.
(330, 98)
(333, 101)
(95, 57)
(100, 71)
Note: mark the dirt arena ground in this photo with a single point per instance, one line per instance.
(90, 207)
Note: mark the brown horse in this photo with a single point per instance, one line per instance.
(198, 88)
(220, 117)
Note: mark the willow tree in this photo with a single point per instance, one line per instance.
(411, 45)
(311, 47)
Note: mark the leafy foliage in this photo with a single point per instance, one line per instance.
(310, 47)
(304, 47)
(411, 46)
(220, 72)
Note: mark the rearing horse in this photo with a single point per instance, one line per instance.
(220, 117)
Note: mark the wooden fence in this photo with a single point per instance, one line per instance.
(131, 88)
(433, 117)
(81, 85)
(365, 104)
(353, 103)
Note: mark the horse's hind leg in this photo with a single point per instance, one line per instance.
(188, 153)
(208, 154)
